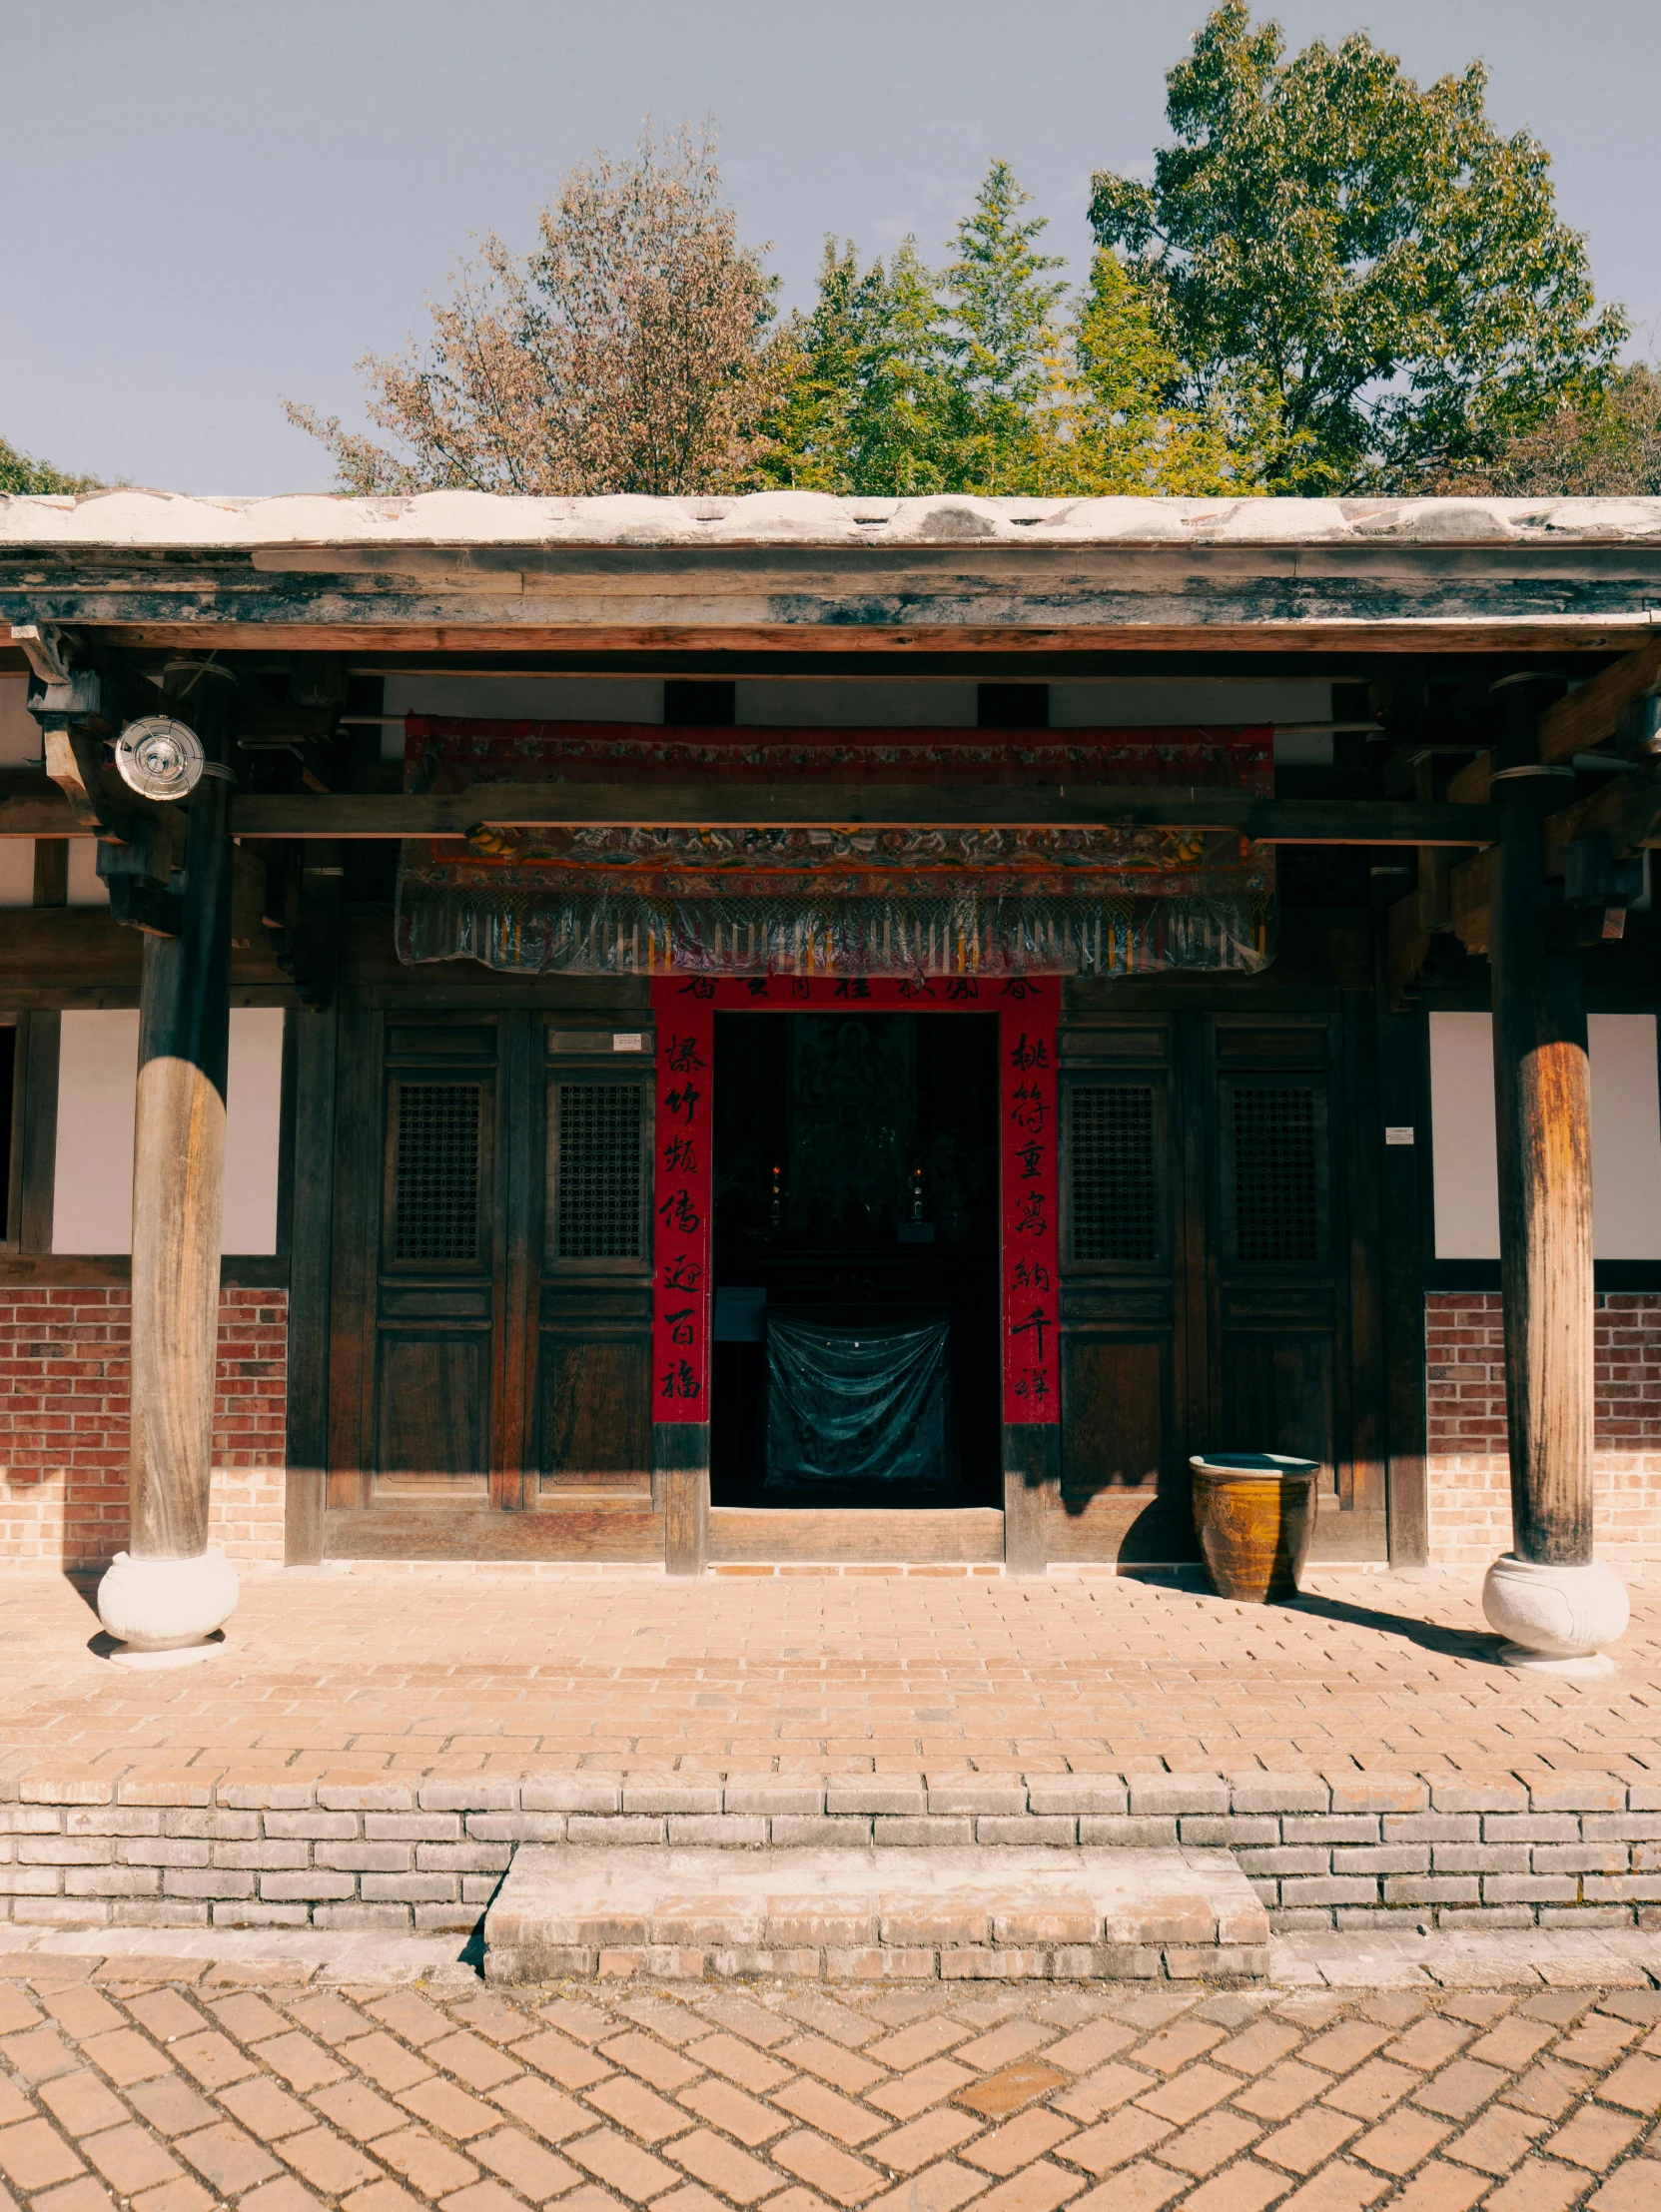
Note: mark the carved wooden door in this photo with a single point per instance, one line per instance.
(1217, 1264)
(488, 1384)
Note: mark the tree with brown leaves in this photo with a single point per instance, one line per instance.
(631, 350)
(1602, 444)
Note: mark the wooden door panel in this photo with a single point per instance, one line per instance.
(433, 1395)
(414, 1397)
(1124, 1341)
(437, 1162)
(1115, 1194)
(593, 1438)
(595, 1417)
(599, 1176)
(1278, 1395)
(1277, 1210)
(1115, 1413)
(1290, 1254)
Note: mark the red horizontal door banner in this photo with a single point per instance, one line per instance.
(1030, 1192)
(682, 1197)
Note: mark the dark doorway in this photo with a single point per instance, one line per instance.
(856, 1205)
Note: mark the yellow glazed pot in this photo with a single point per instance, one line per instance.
(1254, 1513)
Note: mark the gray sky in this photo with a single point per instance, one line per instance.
(215, 204)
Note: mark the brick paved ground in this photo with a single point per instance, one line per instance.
(173, 2086)
(382, 1672)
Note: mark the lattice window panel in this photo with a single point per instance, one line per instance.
(599, 1171)
(1115, 1185)
(435, 1192)
(1276, 1178)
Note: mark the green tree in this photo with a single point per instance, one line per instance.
(19, 473)
(899, 387)
(813, 426)
(910, 426)
(870, 406)
(1128, 431)
(1005, 345)
(1365, 264)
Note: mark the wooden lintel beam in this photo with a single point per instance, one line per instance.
(846, 806)
(1589, 716)
(36, 809)
(270, 628)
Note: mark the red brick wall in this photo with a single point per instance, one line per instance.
(63, 1425)
(1469, 1483)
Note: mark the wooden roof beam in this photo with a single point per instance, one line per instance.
(1593, 714)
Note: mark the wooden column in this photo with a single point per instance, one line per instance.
(684, 1220)
(179, 1166)
(680, 1471)
(1542, 1101)
(311, 1269)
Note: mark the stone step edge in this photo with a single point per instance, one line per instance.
(604, 1793)
(1211, 1963)
(900, 1916)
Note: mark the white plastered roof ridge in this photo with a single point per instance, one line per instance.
(127, 517)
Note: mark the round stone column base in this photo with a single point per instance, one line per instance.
(1589, 1667)
(177, 1655)
(167, 1611)
(1554, 1613)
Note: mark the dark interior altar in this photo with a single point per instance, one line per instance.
(855, 1259)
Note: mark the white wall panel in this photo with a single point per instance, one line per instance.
(823, 703)
(1626, 1136)
(86, 887)
(851, 702)
(92, 1192)
(253, 1130)
(1465, 1175)
(20, 743)
(527, 698)
(17, 871)
(91, 1204)
(20, 739)
(1142, 705)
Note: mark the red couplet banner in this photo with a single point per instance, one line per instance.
(1028, 1197)
(682, 1203)
(683, 1199)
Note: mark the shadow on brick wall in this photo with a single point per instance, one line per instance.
(64, 1378)
(1470, 1477)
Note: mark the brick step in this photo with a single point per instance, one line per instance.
(986, 1911)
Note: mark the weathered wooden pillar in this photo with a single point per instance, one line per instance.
(1547, 1595)
(167, 1595)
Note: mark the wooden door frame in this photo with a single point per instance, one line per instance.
(1030, 1377)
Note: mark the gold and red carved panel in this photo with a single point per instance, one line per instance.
(682, 1198)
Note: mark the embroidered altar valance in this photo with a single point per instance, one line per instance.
(857, 900)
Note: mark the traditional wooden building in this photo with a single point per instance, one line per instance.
(781, 1029)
